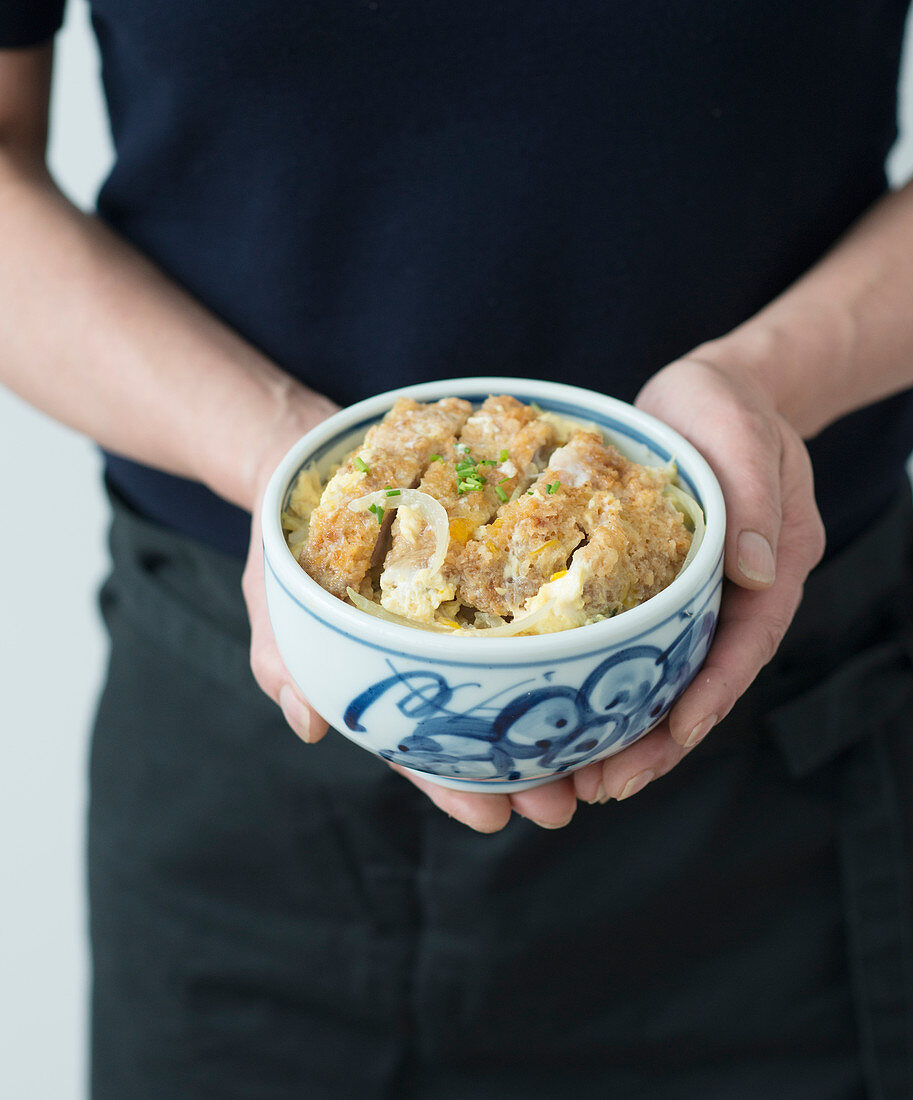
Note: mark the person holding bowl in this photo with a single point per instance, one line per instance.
(311, 204)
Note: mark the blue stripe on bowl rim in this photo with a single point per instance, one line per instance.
(563, 408)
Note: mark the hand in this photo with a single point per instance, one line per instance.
(550, 806)
(774, 538)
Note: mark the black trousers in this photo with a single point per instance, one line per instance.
(273, 921)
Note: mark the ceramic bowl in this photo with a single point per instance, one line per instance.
(495, 714)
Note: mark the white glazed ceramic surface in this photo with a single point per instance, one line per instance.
(495, 714)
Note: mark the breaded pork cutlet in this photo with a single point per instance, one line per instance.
(395, 452)
(635, 551)
(495, 455)
(534, 536)
(637, 539)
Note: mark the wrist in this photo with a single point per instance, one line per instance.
(275, 412)
(297, 409)
(798, 359)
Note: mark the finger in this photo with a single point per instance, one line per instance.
(550, 806)
(751, 627)
(632, 769)
(752, 623)
(750, 481)
(629, 771)
(738, 432)
(588, 783)
(746, 454)
(265, 660)
(486, 813)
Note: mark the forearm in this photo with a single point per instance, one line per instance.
(840, 337)
(93, 334)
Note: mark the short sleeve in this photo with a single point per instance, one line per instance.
(29, 22)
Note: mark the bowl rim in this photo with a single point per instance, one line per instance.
(428, 646)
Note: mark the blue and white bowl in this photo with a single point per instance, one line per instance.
(495, 714)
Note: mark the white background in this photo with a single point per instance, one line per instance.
(52, 652)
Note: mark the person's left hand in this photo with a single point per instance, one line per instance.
(550, 806)
(774, 537)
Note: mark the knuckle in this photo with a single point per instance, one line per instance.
(768, 635)
(818, 539)
(260, 667)
(758, 429)
(247, 581)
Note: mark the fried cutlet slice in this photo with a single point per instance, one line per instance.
(587, 486)
(635, 551)
(534, 536)
(496, 453)
(395, 452)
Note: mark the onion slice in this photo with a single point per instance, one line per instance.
(686, 504)
(432, 511)
(371, 608)
(508, 630)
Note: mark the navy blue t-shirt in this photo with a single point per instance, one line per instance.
(379, 192)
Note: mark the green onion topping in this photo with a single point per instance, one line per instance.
(501, 494)
(379, 512)
(359, 463)
(393, 492)
(551, 488)
(437, 458)
(469, 483)
(505, 455)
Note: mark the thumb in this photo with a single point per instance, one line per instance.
(266, 662)
(738, 432)
(751, 482)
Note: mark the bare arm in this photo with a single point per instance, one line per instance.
(96, 336)
(840, 338)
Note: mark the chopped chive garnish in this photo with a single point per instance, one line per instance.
(501, 494)
(503, 479)
(552, 488)
(378, 511)
(505, 455)
(530, 493)
(359, 463)
(437, 458)
(469, 479)
(393, 492)
(487, 462)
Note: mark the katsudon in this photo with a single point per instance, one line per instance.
(495, 521)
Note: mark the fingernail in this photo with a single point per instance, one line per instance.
(600, 795)
(636, 783)
(296, 713)
(551, 824)
(700, 731)
(756, 558)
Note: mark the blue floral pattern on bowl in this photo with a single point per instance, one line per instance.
(545, 725)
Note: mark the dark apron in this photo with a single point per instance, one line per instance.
(273, 920)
